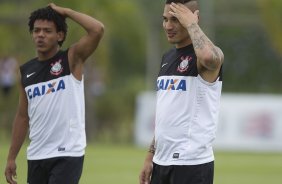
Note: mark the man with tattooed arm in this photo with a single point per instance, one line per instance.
(188, 97)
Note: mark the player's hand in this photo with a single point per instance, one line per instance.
(10, 172)
(146, 172)
(184, 15)
(58, 9)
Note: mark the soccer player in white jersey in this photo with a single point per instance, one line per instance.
(188, 96)
(51, 103)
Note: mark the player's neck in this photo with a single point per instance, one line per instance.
(183, 44)
(43, 56)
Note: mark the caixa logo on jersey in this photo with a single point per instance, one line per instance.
(171, 84)
(46, 89)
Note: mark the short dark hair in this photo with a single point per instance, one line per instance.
(178, 1)
(49, 14)
(193, 4)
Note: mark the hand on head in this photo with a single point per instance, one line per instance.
(184, 15)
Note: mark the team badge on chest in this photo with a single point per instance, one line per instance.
(57, 68)
(184, 65)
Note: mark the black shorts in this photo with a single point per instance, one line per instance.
(59, 170)
(183, 174)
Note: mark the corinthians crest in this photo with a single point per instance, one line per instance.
(184, 65)
(57, 68)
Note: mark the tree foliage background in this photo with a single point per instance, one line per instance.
(126, 62)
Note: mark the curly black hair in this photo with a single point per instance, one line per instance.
(49, 14)
(178, 1)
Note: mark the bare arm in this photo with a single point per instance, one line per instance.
(20, 127)
(81, 50)
(145, 175)
(210, 57)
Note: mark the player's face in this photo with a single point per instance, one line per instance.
(175, 32)
(45, 36)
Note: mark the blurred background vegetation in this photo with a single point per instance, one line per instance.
(126, 62)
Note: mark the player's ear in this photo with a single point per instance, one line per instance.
(197, 13)
(61, 36)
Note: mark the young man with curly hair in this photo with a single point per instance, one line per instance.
(51, 103)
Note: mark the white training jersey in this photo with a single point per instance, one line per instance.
(187, 111)
(56, 108)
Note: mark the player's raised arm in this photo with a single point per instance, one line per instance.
(79, 51)
(210, 57)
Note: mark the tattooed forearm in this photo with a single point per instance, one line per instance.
(199, 42)
(203, 45)
(198, 38)
(152, 148)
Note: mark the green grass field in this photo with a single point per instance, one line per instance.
(120, 164)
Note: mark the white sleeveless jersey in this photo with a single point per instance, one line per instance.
(56, 108)
(187, 111)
